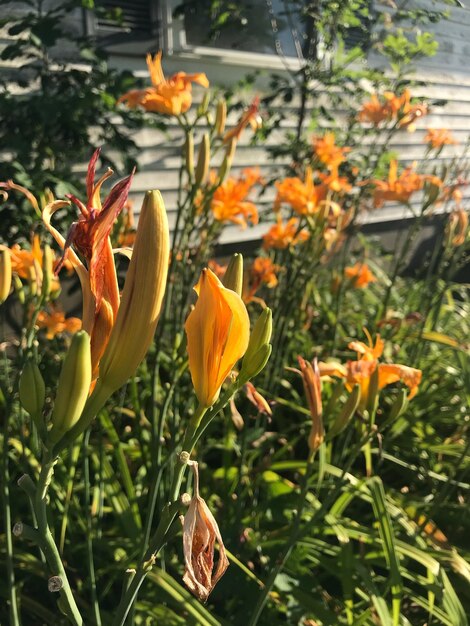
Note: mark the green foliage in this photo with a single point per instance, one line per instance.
(370, 528)
(54, 108)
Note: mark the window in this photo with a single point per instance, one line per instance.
(263, 26)
(120, 21)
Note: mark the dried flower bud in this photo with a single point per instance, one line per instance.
(200, 531)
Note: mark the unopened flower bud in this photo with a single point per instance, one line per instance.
(5, 273)
(203, 107)
(233, 277)
(259, 348)
(32, 389)
(73, 387)
(189, 153)
(346, 413)
(142, 296)
(203, 159)
(226, 165)
(47, 270)
(221, 116)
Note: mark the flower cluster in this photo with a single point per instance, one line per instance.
(360, 371)
(229, 201)
(392, 107)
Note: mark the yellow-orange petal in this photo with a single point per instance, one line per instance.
(392, 373)
(218, 330)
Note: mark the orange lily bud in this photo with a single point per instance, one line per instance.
(221, 116)
(5, 273)
(200, 532)
(47, 270)
(142, 296)
(218, 330)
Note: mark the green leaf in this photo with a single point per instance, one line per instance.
(386, 532)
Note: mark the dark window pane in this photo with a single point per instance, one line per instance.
(266, 26)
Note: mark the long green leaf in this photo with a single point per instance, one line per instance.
(386, 532)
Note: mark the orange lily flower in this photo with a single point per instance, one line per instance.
(229, 202)
(438, 137)
(374, 112)
(218, 331)
(55, 323)
(218, 269)
(360, 371)
(359, 275)
(127, 232)
(262, 270)
(28, 264)
(328, 152)
(171, 96)
(396, 107)
(282, 235)
(408, 113)
(89, 236)
(334, 182)
(303, 196)
(398, 188)
(251, 116)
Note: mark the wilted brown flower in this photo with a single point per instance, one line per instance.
(200, 531)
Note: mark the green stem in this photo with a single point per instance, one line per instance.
(89, 537)
(14, 616)
(48, 545)
(168, 514)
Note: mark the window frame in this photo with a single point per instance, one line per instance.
(168, 34)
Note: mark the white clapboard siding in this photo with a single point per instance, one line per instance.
(447, 77)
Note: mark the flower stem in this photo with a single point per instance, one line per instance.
(46, 541)
(14, 616)
(166, 520)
